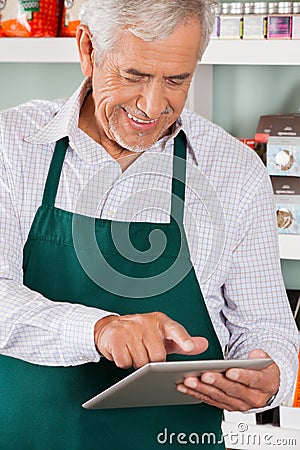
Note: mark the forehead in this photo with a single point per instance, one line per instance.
(179, 49)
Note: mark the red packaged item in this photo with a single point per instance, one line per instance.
(24, 18)
(2, 5)
(70, 17)
(250, 142)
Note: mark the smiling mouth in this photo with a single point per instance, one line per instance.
(144, 122)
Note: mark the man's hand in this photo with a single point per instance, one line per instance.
(135, 340)
(237, 389)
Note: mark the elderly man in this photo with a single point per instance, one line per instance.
(106, 234)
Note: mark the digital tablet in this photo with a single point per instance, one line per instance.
(155, 383)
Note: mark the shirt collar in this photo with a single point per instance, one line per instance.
(65, 123)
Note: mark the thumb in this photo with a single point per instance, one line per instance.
(200, 345)
(257, 353)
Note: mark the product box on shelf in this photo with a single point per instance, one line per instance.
(283, 125)
(296, 21)
(250, 142)
(287, 204)
(283, 156)
(280, 25)
(277, 140)
(231, 20)
(255, 20)
(70, 17)
(24, 18)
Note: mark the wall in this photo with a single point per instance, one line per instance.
(26, 81)
(243, 93)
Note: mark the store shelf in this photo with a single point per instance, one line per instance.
(259, 437)
(289, 246)
(253, 52)
(41, 50)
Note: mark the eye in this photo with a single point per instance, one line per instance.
(133, 80)
(175, 82)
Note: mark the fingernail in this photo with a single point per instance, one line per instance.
(232, 375)
(182, 389)
(189, 345)
(208, 378)
(190, 383)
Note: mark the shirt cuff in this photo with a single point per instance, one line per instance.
(78, 335)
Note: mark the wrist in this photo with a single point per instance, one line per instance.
(99, 328)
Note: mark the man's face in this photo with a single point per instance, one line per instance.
(140, 88)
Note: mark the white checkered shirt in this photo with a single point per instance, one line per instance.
(229, 222)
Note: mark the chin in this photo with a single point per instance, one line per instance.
(138, 144)
(137, 147)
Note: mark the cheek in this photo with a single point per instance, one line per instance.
(105, 105)
(101, 103)
(108, 100)
(177, 100)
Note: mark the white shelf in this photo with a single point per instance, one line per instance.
(259, 437)
(48, 50)
(253, 52)
(289, 246)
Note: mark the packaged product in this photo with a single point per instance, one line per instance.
(2, 6)
(287, 203)
(24, 18)
(70, 17)
(283, 156)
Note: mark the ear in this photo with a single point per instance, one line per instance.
(85, 49)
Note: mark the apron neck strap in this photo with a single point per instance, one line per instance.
(53, 177)
(179, 177)
(178, 180)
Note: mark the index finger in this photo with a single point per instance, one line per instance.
(175, 332)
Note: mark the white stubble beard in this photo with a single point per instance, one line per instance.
(139, 147)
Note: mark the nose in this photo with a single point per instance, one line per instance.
(152, 100)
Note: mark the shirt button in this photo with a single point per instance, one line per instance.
(85, 358)
(112, 213)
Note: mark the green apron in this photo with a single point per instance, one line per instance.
(40, 405)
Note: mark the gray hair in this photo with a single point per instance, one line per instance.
(149, 20)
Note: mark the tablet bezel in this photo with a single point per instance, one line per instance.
(155, 383)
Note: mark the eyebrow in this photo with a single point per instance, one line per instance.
(182, 76)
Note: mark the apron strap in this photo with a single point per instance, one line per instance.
(178, 180)
(179, 177)
(54, 172)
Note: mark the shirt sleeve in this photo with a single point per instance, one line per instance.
(257, 312)
(32, 327)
